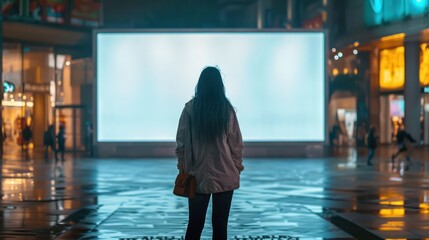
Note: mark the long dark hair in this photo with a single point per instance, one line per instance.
(211, 108)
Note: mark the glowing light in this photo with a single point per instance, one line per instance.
(394, 203)
(399, 36)
(424, 66)
(67, 63)
(392, 68)
(19, 94)
(355, 51)
(424, 206)
(392, 226)
(334, 50)
(157, 49)
(335, 71)
(340, 54)
(396, 212)
(345, 71)
(420, 3)
(25, 97)
(396, 179)
(336, 57)
(356, 44)
(376, 5)
(355, 71)
(13, 103)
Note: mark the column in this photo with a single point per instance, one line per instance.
(290, 16)
(362, 64)
(412, 93)
(374, 86)
(260, 14)
(39, 119)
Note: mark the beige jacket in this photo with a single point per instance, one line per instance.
(217, 166)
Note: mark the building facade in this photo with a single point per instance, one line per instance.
(47, 49)
(380, 52)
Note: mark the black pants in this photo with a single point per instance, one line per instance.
(197, 215)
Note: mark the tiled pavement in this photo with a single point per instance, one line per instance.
(319, 198)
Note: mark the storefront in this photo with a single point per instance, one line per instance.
(392, 84)
(343, 104)
(47, 77)
(38, 87)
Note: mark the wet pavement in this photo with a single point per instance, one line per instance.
(311, 198)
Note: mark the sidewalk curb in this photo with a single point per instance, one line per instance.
(354, 229)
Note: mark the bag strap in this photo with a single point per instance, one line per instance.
(192, 148)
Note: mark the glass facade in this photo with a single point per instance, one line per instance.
(392, 106)
(37, 82)
(379, 11)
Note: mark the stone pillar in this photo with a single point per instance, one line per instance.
(412, 93)
(374, 90)
(362, 97)
(39, 119)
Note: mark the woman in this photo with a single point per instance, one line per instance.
(210, 146)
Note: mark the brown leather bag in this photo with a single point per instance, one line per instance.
(185, 185)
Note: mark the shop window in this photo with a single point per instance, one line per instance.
(424, 64)
(392, 68)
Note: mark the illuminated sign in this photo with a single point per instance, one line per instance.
(39, 88)
(376, 5)
(8, 87)
(378, 11)
(392, 68)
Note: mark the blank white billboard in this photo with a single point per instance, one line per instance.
(275, 80)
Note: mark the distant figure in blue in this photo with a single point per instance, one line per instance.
(372, 144)
(209, 134)
(61, 136)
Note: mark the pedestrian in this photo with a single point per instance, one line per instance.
(26, 136)
(405, 142)
(61, 136)
(210, 146)
(89, 139)
(372, 144)
(49, 140)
